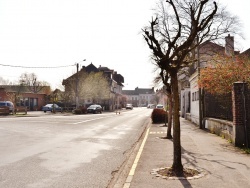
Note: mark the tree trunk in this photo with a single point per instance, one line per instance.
(177, 164)
(170, 115)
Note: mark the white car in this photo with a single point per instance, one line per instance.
(159, 106)
(129, 106)
(151, 106)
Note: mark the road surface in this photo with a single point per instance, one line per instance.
(67, 150)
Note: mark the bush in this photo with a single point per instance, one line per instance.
(80, 110)
(159, 116)
(4, 110)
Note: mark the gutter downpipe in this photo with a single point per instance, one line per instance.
(199, 92)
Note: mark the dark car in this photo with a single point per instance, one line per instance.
(7, 104)
(49, 107)
(95, 108)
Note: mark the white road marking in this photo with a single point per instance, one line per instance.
(137, 158)
(88, 120)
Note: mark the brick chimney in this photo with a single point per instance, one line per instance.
(229, 46)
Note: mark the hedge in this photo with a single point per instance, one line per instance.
(159, 116)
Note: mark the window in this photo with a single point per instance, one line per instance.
(35, 102)
(195, 96)
(26, 101)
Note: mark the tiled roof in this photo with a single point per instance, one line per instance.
(91, 68)
(138, 91)
(118, 78)
(129, 92)
(23, 89)
(246, 52)
(213, 47)
(104, 69)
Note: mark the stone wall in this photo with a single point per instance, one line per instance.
(220, 127)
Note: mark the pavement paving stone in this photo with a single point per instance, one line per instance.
(224, 165)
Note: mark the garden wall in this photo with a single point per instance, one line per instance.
(220, 127)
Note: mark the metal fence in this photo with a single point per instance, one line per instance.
(218, 106)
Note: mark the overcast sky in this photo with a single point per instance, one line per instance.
(52, 33)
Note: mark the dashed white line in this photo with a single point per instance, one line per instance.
(88, 120)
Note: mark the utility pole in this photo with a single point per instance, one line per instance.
(77, 83)
(77, 68)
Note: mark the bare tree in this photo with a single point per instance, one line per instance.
(178, 28)
(4, 81)
(32, 83)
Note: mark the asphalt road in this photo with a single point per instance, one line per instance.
(67, 150)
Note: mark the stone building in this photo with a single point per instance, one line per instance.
(140, 96)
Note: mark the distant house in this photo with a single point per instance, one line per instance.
(140, 96)
(115, 84)
(24, 96)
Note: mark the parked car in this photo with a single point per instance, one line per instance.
(94, 108)
(49, 107)
(9, 104)
(151, 106)
(129, 106)
(159, 106)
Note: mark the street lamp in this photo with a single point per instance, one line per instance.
(77, 82)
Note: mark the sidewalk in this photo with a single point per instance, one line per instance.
(224, 165)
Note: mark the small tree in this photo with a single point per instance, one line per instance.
(66, 98)
(179, 27)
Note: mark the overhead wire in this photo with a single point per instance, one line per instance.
(19, 66)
